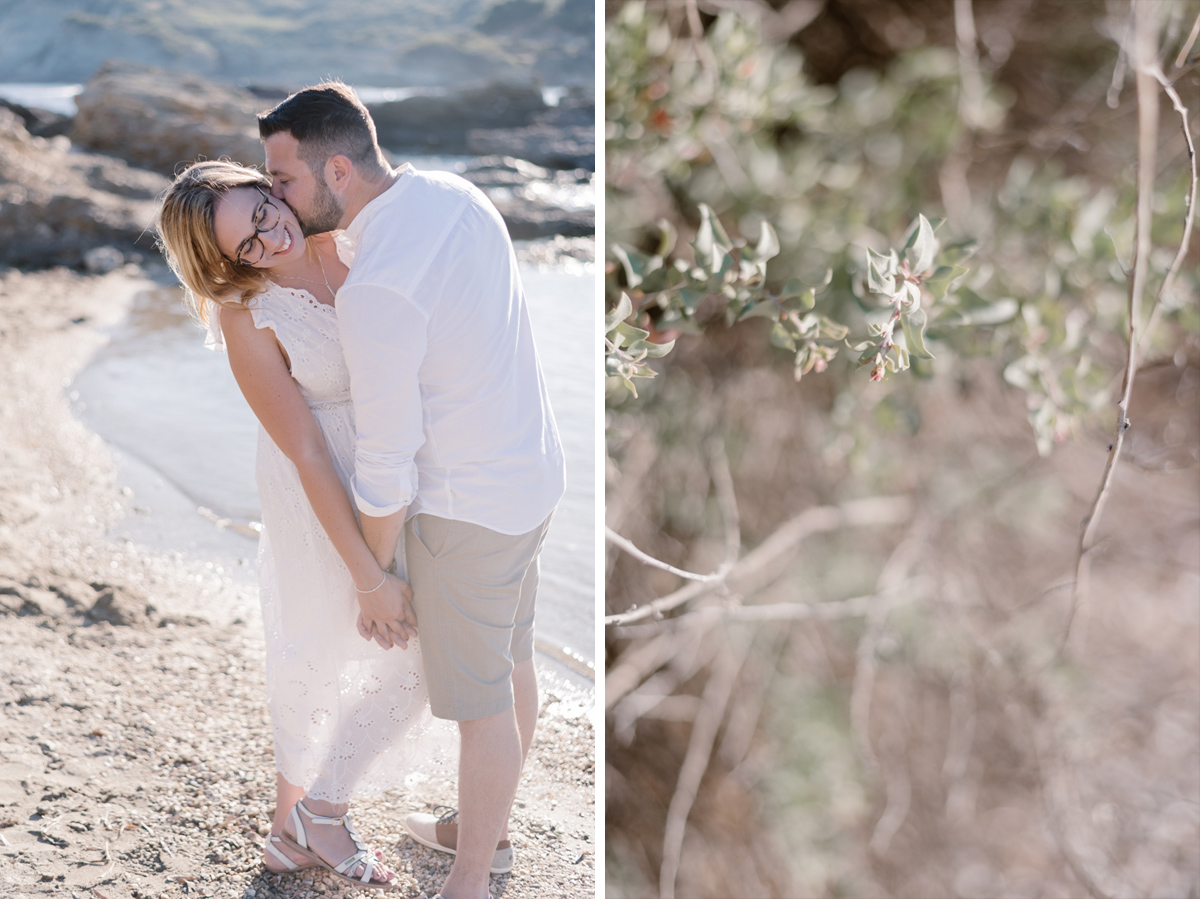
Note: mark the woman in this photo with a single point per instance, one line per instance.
(348, 715)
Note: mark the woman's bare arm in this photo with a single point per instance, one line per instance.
(261, 370)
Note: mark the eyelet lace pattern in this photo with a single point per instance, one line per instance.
(349, 718)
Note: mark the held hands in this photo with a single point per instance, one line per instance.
(386, 615)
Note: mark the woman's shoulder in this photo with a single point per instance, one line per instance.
(233, 317)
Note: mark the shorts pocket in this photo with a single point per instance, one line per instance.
(430, 533)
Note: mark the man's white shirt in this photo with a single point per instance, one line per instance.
(450, 405)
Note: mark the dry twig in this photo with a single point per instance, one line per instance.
(898, 786)
(1188, 44)
(1189, 217)
(627, 545)
(743, 720)
(1147, 100)
(704, 733)
(638, 662)
(722, 480)
(759, 567)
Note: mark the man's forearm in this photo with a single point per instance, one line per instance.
(382, 535)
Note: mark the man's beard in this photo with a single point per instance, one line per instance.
(325, 215)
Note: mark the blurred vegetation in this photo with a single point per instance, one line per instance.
(931, 742)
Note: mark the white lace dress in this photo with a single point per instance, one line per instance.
(349, 717)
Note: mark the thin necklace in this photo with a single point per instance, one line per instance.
(325, 277)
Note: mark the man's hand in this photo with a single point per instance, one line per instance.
(386, 615)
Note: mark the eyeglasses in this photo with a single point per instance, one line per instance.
(251, 250)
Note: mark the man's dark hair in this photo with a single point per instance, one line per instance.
(327, 120)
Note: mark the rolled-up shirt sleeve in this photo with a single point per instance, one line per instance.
(384, 340)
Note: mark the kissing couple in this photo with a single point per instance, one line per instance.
(408, 466)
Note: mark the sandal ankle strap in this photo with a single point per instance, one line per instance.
(324, 819)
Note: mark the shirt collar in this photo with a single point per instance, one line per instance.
(367, 214)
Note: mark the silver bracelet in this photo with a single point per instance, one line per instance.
(381, 583)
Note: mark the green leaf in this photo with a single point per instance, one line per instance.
(768, 243)
(924, 247)
(912, 296)
(674, 320)
(881, 272)
(712, 244)
(637, 265)
(623, 310)
(804, 362)
(797, 297)
(658, 350)
(628, 333)
(943, 277)
(957, 253)
(996, 313)
(691, 299)
(1020, 372)
(768, 308)
(781, 338)
(793, 288)
(666, 238)
(969, 299)
(831, 329)
(913, 324)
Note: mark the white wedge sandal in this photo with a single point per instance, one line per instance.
(363, 856)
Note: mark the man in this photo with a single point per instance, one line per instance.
(456, 444)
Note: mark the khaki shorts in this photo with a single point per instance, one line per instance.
(473, 592)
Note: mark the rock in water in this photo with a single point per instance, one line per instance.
(162, 120)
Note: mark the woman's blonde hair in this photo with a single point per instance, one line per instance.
(187, 240)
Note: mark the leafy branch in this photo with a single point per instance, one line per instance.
(914, 288)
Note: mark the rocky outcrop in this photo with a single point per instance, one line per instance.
(162, 120)
(57, 205)
(558, 137)
(519, 191)
(63, 207)
(440, 123)
(39, 122)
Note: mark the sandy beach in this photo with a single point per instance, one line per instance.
(135, 750)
